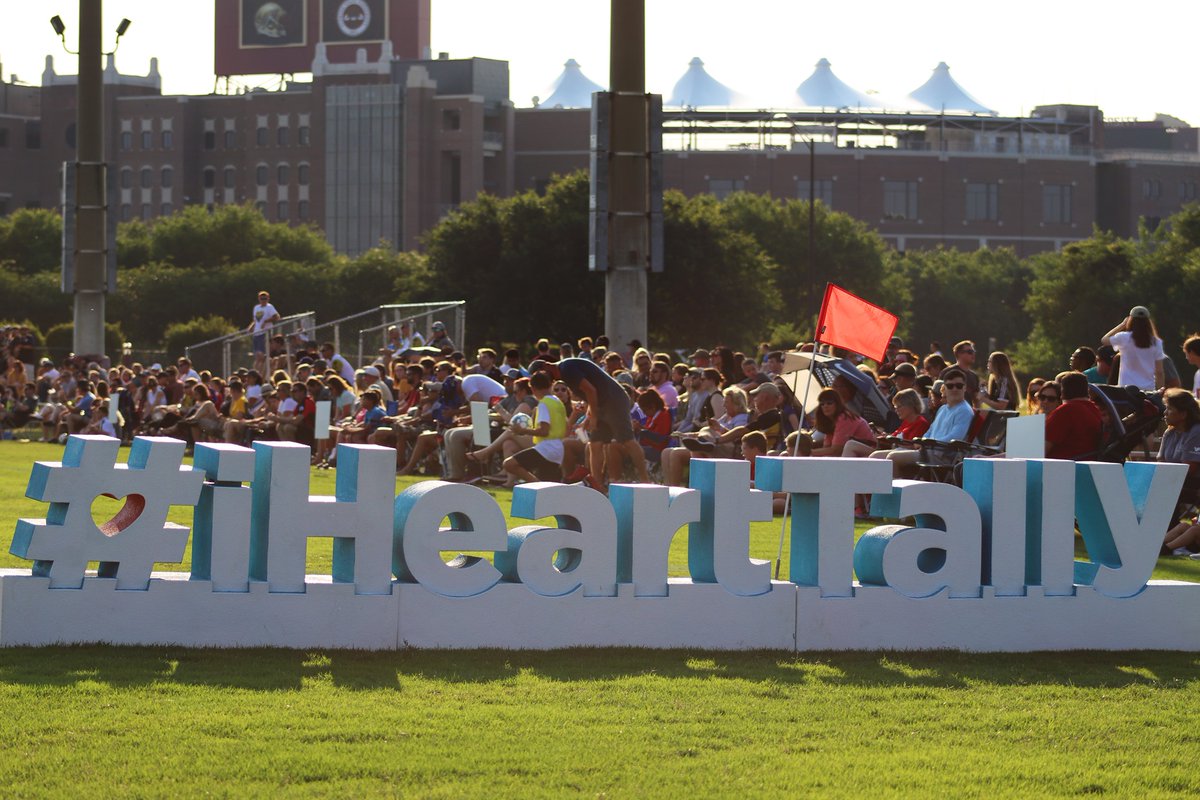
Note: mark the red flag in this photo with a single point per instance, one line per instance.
(849, 322)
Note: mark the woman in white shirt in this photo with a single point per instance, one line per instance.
(1141, 351)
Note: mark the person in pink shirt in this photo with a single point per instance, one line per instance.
(846, 433)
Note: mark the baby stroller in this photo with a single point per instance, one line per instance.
(1130, 417)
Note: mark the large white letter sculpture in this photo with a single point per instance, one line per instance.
(358, 517)
(823, 492)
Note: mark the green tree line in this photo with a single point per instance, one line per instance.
(737, 271)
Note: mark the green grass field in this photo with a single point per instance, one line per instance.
(613, 723)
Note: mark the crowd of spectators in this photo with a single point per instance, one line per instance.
(591, 411)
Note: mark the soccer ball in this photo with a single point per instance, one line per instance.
(522, 419)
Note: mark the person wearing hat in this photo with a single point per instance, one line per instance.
(1141, 350)
(440, 338)
(904, 376)
(701, 359)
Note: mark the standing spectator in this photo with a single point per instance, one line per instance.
(1136, 341)
(263, 316)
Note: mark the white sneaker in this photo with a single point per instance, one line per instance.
(1195, 556)
(1181, 552)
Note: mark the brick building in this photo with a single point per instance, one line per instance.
(381, 148)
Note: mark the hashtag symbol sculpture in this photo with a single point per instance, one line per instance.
(128, 545)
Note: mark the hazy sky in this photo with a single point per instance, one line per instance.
(1131, 61)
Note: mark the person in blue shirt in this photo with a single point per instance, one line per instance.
(953, 420)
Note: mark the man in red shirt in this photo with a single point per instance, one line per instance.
(1073, 429)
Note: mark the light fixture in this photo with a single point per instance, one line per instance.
(60, 30)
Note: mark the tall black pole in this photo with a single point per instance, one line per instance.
(90, 193)
(625, 300)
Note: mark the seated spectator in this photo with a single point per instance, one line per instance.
(1031, 391)
(543, 461)
(1002, 391)
(845, 433)
(952, 421)
(655, 432)
(913, 425)
(934, 364)
(1191, 352)
(1102, 370)
(1075, 428)
(1181, 441)
(1049, 397)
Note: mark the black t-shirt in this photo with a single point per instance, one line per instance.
(609, 394)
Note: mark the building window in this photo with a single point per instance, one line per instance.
(230, 177)
(126, 178)
(983, 202)
(146, 212)
(302, 174)
(302, 135)
(281, 210)
(210, 140)
(1056, 204)
(33, 135)
(210, 177)
(165, 210)
(283, 174)
(302, 209)
(722, 188)
(262, 207)
(823, 191)
(900, 200)
(147, 140)
(167, 177)
(1151, 189)
(3, 206)
(126, 212)
(1187, 190)
(69, 136)
(147, 178)
(451, 119)
(281, 137)
(126, 140)
(230, 139)
(3, 137)
(168, 140)
(260, 137)
(261, 175)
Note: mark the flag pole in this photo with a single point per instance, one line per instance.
(787, 500)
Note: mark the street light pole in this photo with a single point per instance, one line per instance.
(90, 198)
(626, 290)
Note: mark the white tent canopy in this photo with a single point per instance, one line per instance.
(942, 93)
(573, 89)
(697, 88)
(823, 89)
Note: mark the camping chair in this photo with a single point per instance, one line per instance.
(941, 462)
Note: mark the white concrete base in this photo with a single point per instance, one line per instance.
(1164, 616)
(177, 611)
(508, 615)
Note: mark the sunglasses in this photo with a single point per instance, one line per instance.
(968, 352)
(1048, 397)
(955, 385)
